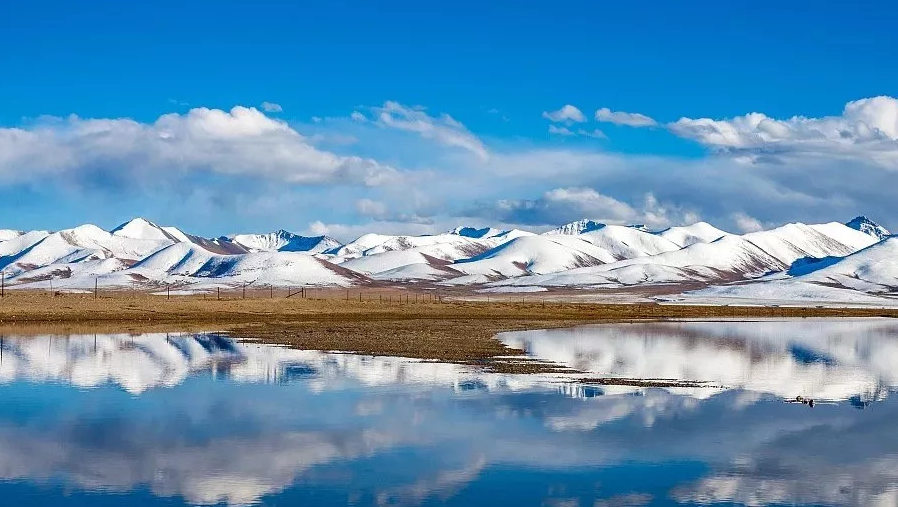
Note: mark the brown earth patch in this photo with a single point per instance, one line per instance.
(392, 322)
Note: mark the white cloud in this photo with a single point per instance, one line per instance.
(747, 223)
(591, 203)
(357, 116)
(444, 129)
(242, 141)
(567, 114)
(560, 131)
(564, 131)
(153, 160)
(594, 133)
(347, 232)
(272, 107)
(867, 128)
(371, 208)
(562, 205)
(623, 118)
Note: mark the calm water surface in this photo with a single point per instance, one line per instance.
(171, 420)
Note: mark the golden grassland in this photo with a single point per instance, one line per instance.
(387, 322)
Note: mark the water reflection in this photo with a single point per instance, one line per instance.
(201, 419)
(810, 358)
(141, 362)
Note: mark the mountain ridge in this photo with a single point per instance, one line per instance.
(584, 254)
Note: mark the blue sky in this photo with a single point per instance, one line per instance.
(495, 68)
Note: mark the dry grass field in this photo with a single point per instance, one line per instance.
(384, 322)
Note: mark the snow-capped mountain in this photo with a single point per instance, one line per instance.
(728, 258)
(700, 232)
(529, 254)
(285, 241)
(8, 234)
(578, 227)
(851, 262)
(868, 226)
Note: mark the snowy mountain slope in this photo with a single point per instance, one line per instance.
(530, 254)
(18, 244)
(867, 226)
(806, 261)
(285, 241)
(627, 242)
(782, 292)
(86, 242)
(417, 272)
(459, 243)
(389, 261)
(141, 228)
(80, 274)
(575, 228)
(276, 269)
(700, 232)
(442, 246)
(863, 277)
(8, 234)
(178, 259)
(730, 257)
(873, 269)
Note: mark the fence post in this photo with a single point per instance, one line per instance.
(95, 287)
(219, 293)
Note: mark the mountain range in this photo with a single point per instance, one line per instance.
(852, 262)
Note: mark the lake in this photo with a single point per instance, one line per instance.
(202, 419)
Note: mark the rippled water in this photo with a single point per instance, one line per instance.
(112, 420)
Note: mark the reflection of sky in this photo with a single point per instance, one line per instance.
(813, 358)
(217, 438)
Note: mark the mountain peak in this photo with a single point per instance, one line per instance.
(284, 241)
(867, 226)
(578, 227)
(141, 228)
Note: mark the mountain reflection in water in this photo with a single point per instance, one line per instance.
(202, 419)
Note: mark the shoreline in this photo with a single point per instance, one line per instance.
(457, 331)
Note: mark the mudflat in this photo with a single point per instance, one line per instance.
(386, 323)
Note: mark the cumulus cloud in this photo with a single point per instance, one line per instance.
(243, 156)
(443, 129)
(747, 223)
(242, 141)
(371, 208)
(867, 129)
(567, 114)
(594, 133)
(564, 131)
(560, 131)
(623, 118)
(347, 232)
(562, 205)
(272, 107)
